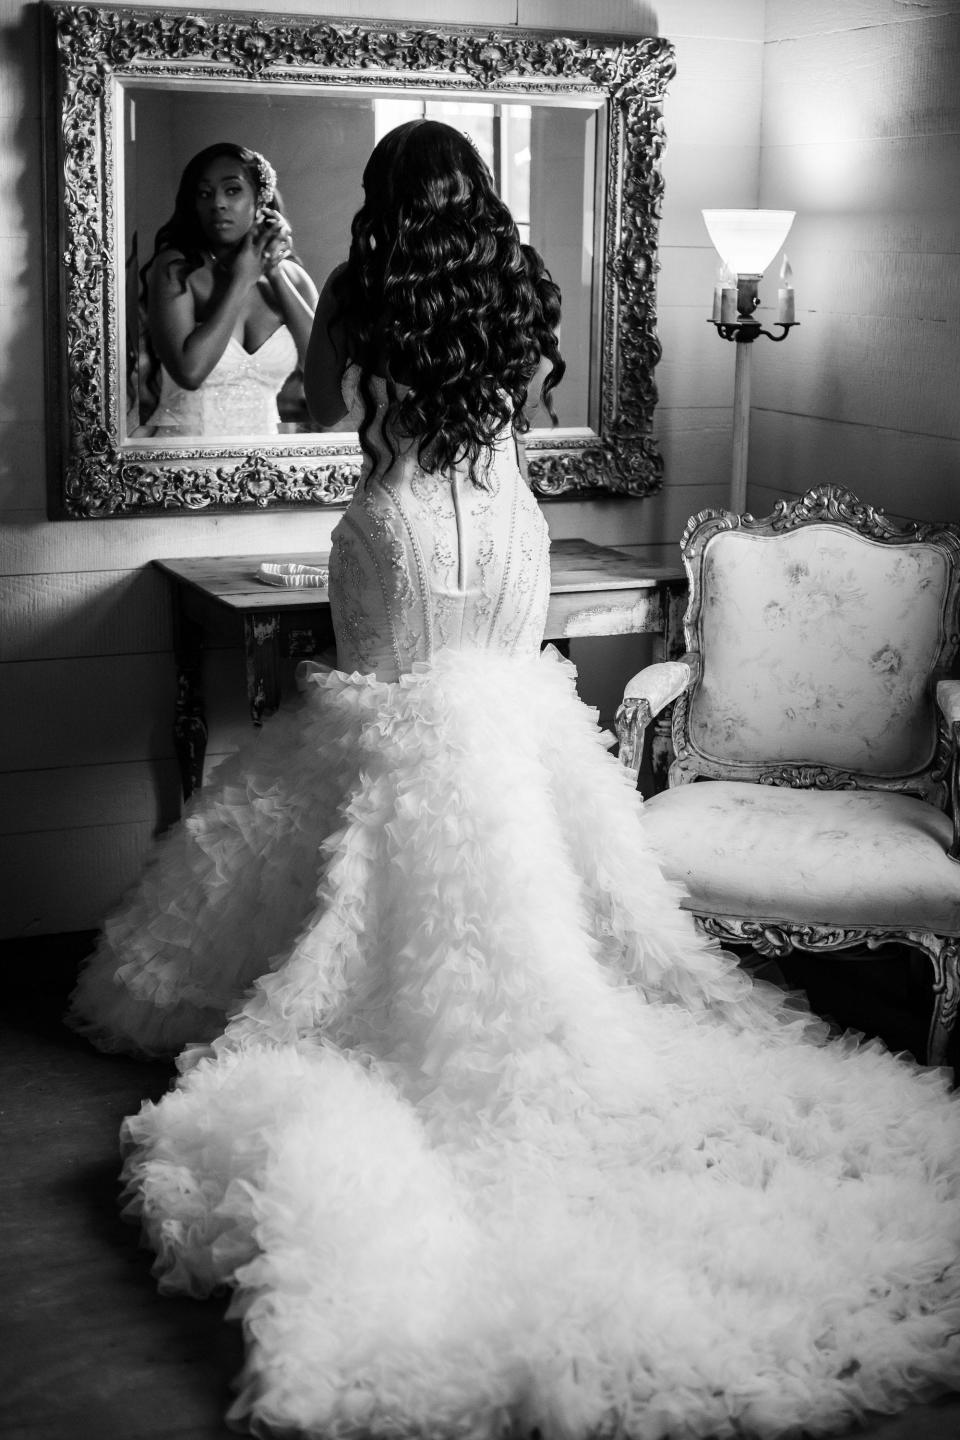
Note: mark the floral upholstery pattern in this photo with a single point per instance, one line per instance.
(861, 859)
(817, 647)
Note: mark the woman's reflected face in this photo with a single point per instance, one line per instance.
(226, 202)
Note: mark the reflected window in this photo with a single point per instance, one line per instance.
(501, 134)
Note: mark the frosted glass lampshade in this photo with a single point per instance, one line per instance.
(747, 240)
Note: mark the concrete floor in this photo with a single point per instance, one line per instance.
(89, 1351)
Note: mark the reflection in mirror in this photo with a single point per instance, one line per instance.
(570, 126)
(542, 158)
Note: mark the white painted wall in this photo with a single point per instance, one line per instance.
(86, 773)
(861, 136)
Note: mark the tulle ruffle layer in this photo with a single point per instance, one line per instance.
(493, 1138)
(224, 893)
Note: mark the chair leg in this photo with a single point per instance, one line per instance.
(778, 940)
(946, 998)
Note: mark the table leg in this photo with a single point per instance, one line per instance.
(675, 597)
(190, 723)
(669, 645)
(261, 638)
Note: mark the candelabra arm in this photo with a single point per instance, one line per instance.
(744, 332)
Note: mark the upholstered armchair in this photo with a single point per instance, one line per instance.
(813, 799)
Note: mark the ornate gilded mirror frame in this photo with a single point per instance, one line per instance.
(90, 52)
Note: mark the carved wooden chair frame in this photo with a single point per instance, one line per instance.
(938, 782)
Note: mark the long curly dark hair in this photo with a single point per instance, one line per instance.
(439, 296)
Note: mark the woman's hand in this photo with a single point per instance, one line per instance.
(262, 249)
(246, 265)
(277, 239)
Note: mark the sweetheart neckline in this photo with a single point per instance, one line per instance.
(263, 343)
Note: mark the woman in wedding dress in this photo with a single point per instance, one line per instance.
(485, 1137)
(229, 307)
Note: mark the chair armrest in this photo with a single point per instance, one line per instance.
(649, 692)
(948, 700)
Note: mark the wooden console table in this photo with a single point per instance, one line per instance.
(595, 590)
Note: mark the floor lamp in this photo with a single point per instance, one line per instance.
(747, 241)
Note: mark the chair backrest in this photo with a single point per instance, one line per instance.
(818, 634)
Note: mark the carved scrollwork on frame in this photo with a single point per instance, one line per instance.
(830, 503)
(777, 939)
(251, 45)
(256, 481)
(623, 464)
(780, 937)
(824, 504)
(946, 988)
(930, 784)
(809, 777)
(92, 52)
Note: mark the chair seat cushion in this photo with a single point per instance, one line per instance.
(848, 858)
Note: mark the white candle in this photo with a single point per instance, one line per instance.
(728, 301)
(786, 306)
(725, 296)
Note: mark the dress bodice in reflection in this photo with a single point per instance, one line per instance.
(422, 562)
(238, 397)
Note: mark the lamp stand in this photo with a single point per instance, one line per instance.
(743, 332)
(741, 429)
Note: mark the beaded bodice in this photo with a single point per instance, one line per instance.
(238, 397)
(426, 562)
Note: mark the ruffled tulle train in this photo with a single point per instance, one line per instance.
(493, 1139)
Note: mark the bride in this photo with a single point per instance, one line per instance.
(485, 1137)
(229, 307)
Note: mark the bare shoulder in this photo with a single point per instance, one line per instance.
(172, 273)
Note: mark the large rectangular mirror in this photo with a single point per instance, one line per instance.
(570, 129)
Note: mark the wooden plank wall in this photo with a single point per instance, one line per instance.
(861, 136)
(86, 770)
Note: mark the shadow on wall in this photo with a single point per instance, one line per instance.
(89, 655)
(89, 614)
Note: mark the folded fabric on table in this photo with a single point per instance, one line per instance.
(293, 575)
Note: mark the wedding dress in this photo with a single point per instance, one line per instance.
(238, 397)
(483, 1134)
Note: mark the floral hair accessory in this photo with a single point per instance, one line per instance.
(266, 176)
